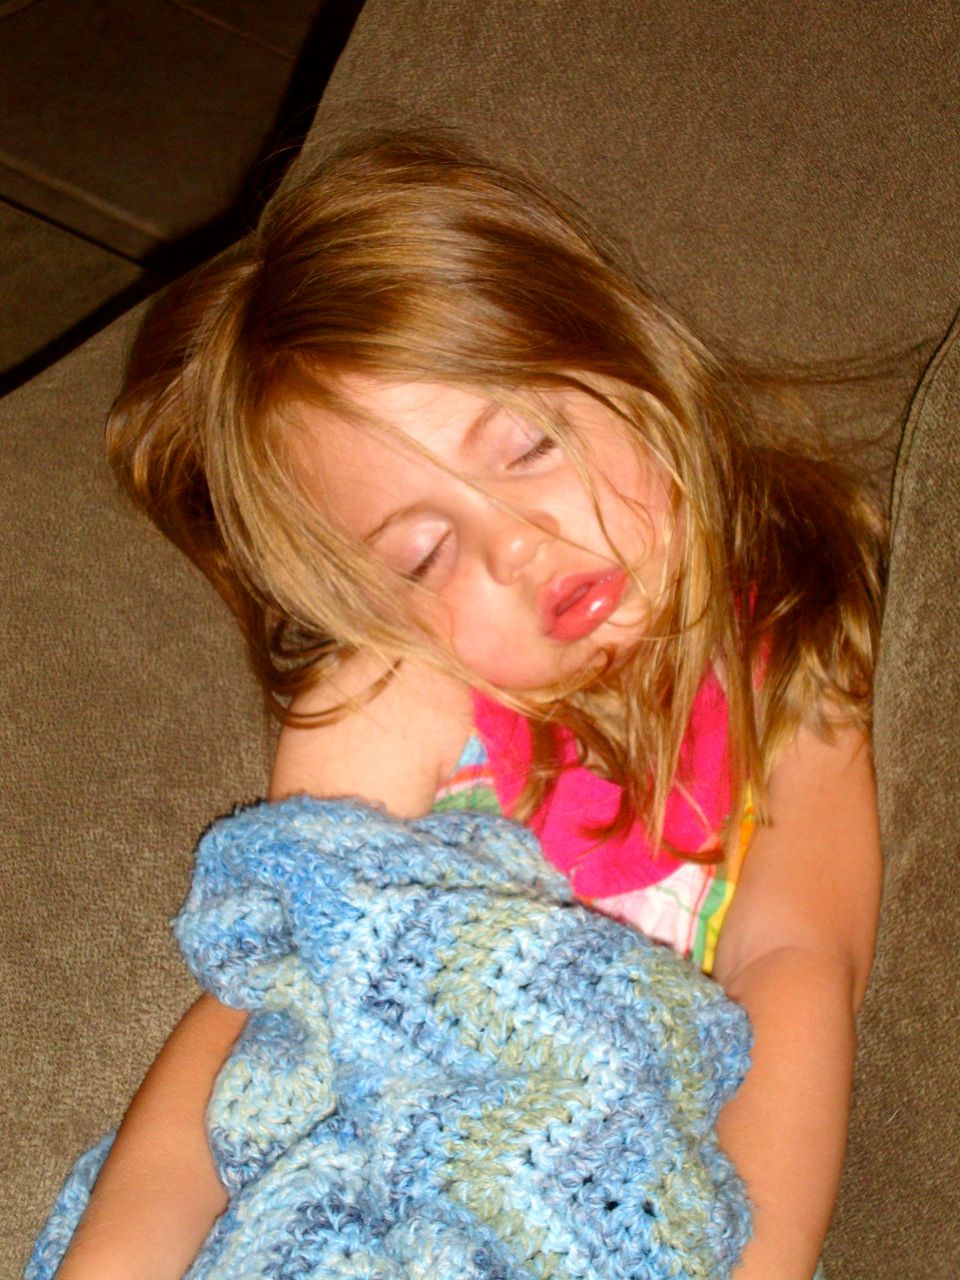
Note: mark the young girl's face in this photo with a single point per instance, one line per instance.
(492, 525)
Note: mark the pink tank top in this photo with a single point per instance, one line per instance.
(697, 808)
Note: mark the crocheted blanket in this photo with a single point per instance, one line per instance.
(451, 1071)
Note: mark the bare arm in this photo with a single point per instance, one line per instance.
(395, 749)
(796, 951)
(158, 1193)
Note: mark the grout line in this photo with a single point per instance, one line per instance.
(110, 309)
(65, 227)
(113, 211)
(228, 26)
(10, 7)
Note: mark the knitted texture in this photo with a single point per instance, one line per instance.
(451, 1071)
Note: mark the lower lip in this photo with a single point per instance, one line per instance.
(599, 598)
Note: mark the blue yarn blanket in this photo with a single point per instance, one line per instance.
(451, 1070)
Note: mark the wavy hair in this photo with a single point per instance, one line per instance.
(408, 257)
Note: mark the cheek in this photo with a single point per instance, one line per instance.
(476, 625)
(460, 617)
(434, 616)
(636, 505)
(492, 644)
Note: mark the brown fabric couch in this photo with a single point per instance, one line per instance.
(785, 177)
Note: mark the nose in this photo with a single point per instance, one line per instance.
(514, 538)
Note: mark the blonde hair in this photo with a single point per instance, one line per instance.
(409, 257)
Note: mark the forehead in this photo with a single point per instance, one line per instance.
(357, 462)
(433, 416)
(398, 442)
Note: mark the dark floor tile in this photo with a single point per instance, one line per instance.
(7, 7)
(132, 121)
(49, 281)
(282, 27)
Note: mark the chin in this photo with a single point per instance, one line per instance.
(544, 672)
(544, 682)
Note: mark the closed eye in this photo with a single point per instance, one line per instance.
(420, 571)
(545, 445)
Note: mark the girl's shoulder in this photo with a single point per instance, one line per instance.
(393, 749)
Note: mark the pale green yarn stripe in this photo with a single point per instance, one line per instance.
(478, 1156)
(292, 1101)
(502, 1132)
(483, 1147)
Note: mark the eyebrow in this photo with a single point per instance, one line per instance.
(468, 444)
(474, 433)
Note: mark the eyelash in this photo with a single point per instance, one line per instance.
(545, 445)
(420, 571)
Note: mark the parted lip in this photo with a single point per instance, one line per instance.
(564, 593)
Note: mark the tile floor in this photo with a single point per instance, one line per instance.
(134, 136)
